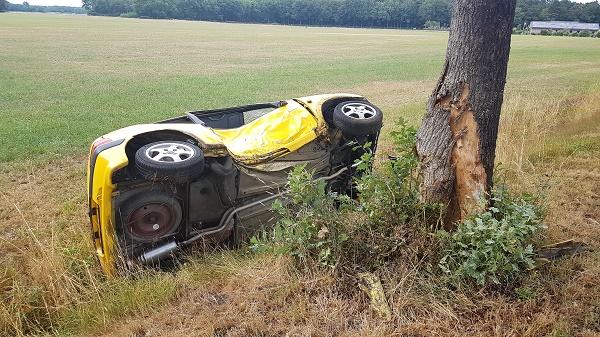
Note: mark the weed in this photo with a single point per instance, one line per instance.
(309, 228)
(525, 293)
(494, 246)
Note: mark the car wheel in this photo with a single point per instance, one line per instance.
(170, 160)
(357, 118)
(149, 216)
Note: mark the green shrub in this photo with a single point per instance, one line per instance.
(433, 25)
(336, 231)
(391, 191)
(129, 15)
(558, 33)
(573, 34)
(389, 199)
(545, 32)
(495, 246)
(584, 33)
(309, 228)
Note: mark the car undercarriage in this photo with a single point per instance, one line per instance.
(175, 192)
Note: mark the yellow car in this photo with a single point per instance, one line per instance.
(212, 175)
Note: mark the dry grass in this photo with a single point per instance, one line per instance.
(62, 68)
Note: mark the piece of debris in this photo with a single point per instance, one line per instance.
(371, 285)
(558, 250)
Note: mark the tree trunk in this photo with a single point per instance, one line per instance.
(457, 140)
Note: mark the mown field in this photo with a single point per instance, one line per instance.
(64, 80)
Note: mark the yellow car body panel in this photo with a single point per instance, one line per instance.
(283, 130)
(272, 135)
(314, 103)
(101, 216)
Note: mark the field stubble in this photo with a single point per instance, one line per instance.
(69, 79)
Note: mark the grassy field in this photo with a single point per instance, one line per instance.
(64, 80)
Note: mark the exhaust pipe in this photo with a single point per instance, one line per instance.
(154, 255)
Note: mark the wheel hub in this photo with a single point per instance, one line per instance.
(151, 221)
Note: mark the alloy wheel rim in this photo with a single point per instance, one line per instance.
(359, 111)
(169, 152)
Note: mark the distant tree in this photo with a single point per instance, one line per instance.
(435, 10)
(431, 25)
(87, 4)
(456, 142)
(3, 5)
(161, 9)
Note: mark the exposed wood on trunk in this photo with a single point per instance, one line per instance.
(457, 140)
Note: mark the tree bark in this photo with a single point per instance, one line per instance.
(457, 140)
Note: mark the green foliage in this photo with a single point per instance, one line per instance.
(429, 14)
(430, 24)
(392, 192)
(584, 33)
(524, 293)
(558, 33)
(335, 231)
(362, 13)
(26, 7)
(493, 247)
(545, 32)
(129, 15)
(309, 228)
(389, 198)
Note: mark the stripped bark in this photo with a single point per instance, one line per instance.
(457, 140)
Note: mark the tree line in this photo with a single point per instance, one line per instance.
(349, 13)
(346, 13)
(26, 7)
(355, 13)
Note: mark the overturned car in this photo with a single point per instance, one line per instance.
(212, 175)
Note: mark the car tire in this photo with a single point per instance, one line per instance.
(149, 216)
(170, 160)
(357, 118)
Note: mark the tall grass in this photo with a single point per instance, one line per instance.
(51, 282)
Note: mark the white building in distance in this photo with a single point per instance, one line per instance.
(536, 27)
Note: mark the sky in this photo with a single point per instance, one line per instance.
(77, 3)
